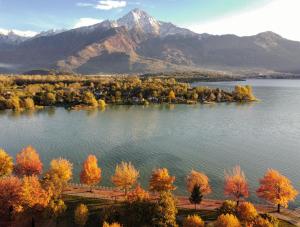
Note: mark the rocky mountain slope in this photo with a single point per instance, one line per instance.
(138, 42)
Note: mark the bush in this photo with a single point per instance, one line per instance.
(247, 212)
(273, 220)
(228, 207)
(260, 222)
(227, 220)
(193, 221)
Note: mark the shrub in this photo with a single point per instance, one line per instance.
(228, 207)
(227, 220)
(193, 221)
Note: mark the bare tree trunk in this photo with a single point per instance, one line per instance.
(278, 208)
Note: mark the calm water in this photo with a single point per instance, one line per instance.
(209, 138)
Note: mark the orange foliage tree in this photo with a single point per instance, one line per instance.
(125, 176)
(227, 220)
(193, 221)
(6, 164)
(10, 196)
(115, 224)
(138, 194)
(276, 189)
(28, 162)
(58, 175)
(32, 193)
(90, 173)
(236, 184)
(161, 180)
(81, 215)
(200, 179)
(247, 213)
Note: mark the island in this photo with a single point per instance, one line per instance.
(25, 92)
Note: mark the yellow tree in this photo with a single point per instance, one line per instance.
(90, 173)
(29, 104)
(125, 176)
(236, 184)
(115, 224)
(227, 220)
(58, 176)
(28, 162)
(81, 215)
(33, 196)
(138, 194)
(200, 179)
(10, 196)
(6, 164)
(172, 96)
(193, 221)
(276, 188)
(165, 210)
(56, 208)
(247, 213)
(161, 180)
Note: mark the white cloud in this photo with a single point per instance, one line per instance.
(84, 4)
(110, 4)
(19, 32)
(279, 16)
(86, 22)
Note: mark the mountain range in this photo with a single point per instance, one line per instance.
(138, 43)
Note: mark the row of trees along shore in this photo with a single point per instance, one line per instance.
(77, 92)
(26, 190)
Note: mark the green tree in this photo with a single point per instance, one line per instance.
(196, 196)
(165, 211)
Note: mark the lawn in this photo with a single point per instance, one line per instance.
(97, 212)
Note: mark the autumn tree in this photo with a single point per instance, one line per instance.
(228, 207)
(58, 176)
(28, 162)
(200, 179)
(32, 193)
(29, 104)
(33, 197)
(81, 215)
(115, 224)
(125, 176)
(193, 221)
(161, 180)
(138, 194)
(196, 196)
(56, 208)
(171, 96)
(236, 184)
(247, 212)
(165, 210)
(261, 222)
(14, 103)
(89, 99)
(6, 164)
(276, 189)
(10, 196)
(227, 220)
(90, 173)
(101, 103)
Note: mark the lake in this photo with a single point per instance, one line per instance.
(209, 138)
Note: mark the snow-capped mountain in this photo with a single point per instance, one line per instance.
(50, 32)
(138, 42)
(138, 19)
(11, 38)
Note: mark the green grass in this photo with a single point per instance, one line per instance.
(96, 207)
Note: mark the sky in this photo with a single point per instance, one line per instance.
(240, 17)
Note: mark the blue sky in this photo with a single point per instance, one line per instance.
(212, 16)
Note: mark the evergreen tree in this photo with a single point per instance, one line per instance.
(196, 196)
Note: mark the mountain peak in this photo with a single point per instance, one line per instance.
(139, 19)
